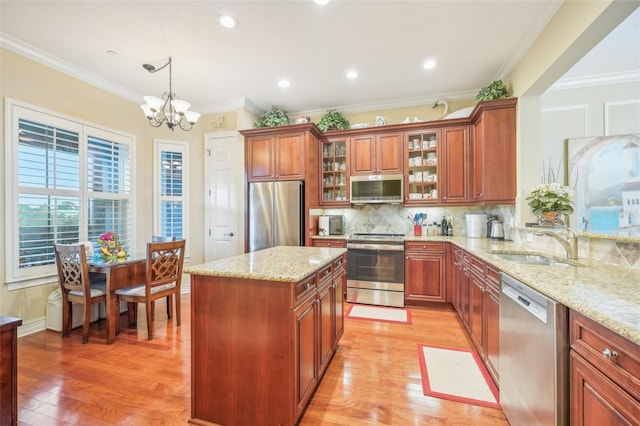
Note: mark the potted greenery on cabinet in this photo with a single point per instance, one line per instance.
(333, 120)
(273, 118)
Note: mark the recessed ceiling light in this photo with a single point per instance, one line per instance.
(321, 2)
(112, 52)
(429, 64)
(351, 74)
(228, 21)
(284, 83)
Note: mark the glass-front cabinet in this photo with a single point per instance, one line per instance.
(421, 167)
(335, 173)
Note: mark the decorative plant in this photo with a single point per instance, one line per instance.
(273, 118)
(496, 90)
(550, 197)
(333, 120)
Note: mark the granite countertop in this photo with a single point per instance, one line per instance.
(288, 264)
(330, 237)
(607, 294)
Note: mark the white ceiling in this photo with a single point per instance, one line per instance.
(474, 42)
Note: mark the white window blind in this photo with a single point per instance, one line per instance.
(170, 189)
(65, 182)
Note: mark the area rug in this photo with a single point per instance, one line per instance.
(397, 315)
(456, 374)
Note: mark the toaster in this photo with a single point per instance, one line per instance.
(331, 225)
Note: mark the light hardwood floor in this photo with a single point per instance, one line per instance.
(373, 379)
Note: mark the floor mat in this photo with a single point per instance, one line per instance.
(376, 313)
(456, 374)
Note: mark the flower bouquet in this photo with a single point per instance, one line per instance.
(110, 245)
(550, 202)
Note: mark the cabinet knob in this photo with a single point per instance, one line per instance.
(609, 354)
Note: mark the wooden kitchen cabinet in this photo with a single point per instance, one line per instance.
(265, 344)
(421, 166)
(493, 152)
(340, 288)
(329, 242)
(334, 161)
(460, 276)
(282, 153)
(454, 165)
(478, 304)
(604, 375)
(377, 153)
(9, 370)
(425, 273)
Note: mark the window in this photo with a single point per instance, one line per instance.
(170, 189)
(66, 181)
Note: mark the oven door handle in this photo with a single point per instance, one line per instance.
(376, 247)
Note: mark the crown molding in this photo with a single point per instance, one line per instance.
(393, 104)
(57, 64)
(596, 80)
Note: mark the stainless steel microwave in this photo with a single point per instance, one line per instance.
(378, 189)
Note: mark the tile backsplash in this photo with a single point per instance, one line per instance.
(391, 218)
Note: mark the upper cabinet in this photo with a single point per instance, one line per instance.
(373, 154)
(280, 153)
(493, 152)
(334, 185)
(421, 179)
(454, 169)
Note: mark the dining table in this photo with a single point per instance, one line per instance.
(120, 272)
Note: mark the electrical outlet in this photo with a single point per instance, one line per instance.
(529, 236)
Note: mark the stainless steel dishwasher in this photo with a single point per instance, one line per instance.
(534, 356)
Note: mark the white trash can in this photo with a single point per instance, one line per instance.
(54, 312)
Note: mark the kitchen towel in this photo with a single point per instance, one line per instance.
(456, 374)
(374, 313)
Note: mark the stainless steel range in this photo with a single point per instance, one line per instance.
(375, 269)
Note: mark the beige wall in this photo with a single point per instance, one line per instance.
(575, 29)
(27, 81)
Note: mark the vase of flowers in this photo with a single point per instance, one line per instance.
(551, 202)
(110, 245)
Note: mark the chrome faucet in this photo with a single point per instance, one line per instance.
(570, 244)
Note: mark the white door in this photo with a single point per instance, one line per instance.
(224, 186)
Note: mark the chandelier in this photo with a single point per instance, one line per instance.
(170, 109)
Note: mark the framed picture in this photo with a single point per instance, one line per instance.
(604, 173)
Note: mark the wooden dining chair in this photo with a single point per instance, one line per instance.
(76, 286)
(163, 239)
(163, 279)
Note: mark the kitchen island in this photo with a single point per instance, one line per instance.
(264, 326)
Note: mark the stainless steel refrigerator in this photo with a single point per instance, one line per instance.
(276, 214)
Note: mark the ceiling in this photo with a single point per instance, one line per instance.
(473, 43)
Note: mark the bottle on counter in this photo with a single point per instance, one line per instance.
(449, 229)
(443, 226)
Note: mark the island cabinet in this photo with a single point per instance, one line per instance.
(379, 153)
(484, 304)
(453, 172)
(259, 346)
(604, 375)
(9, 370)
(493, 152)
(425, 273)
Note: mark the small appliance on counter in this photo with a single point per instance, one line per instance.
(331, 225)
(497, 230)
(476, 225)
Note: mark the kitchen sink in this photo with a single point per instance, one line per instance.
(530, 259)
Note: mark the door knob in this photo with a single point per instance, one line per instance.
(230, 234)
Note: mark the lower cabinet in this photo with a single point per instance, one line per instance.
(604, 375)
(305, 358)
(329, 242)
(476, 298)
(9, 370)
(424, 272)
